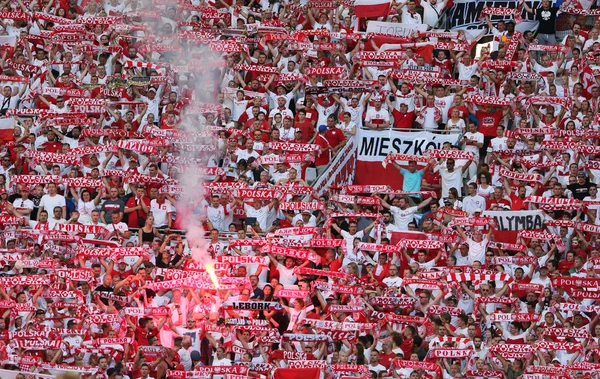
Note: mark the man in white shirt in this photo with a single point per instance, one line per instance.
(57, 217)
(349, 237)
(52, 200)
(248, 152)
(472, 141)
(216, 214)
(452, 177)
(259, 212)
(162, 210)
(478, 245)
(118, 229)
(22, 206)
(473, 202)
(393, 280)
(409, 13)
(377, 118)
(403, 214)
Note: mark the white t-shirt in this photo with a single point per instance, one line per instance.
(477, 136)
(477, 250)
(403, 217)
(451, 179)
(261, 215)
(160, 211)
(50, 202)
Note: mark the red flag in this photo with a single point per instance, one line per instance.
(296, 373)
(6, 129)
(371, 8)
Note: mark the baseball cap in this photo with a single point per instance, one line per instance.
(322, 128)
(195, 355)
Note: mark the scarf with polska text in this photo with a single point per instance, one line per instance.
(297, 230)
(401, 319)
(515, 13)
(538, 288)
(291, 294)
(349, 199)
(579, 294)
(89, 150)
(357, 189)
(301, 206)
(548, 48)
(248, 242)
(421, 244)
(389, 249)
(473, 222)
(324, 71)
(56, 158)
(145, 312)
(337, 288)
(514, 317)
(99, 252)
(519, 261)
(404, 157)
(84, 182)
(30, 280)
(256, 68)
(489, 100)
(317, 272)
(520, 176)
(343, 326)
(568, 346)
(530, 234)
(241, 259)
(513, 350)
(295, 147)
(346, 308)
(448, 352)
(575, 282)
(285, 158)
(305, 337)
(534, 131)
(566, 333)
(439, 309)
(137, 145)
(36, 344)
(36, 179)
(287, 252)
(450, 154)
(401, 301)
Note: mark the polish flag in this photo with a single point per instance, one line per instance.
(6, 129)
(371, 8)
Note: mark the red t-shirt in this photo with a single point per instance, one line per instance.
(335, 136)
(307, 128)
(133, 216)
(52, 147)
(488, 122)
(141, 335)
(517, 202)
(324, 157)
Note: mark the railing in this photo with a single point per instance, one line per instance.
(340, 171)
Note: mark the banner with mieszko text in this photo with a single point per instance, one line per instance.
(374, 146)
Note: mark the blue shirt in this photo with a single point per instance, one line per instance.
(412, 180)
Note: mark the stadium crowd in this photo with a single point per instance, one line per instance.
(114, 115)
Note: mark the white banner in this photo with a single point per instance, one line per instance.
(517, 220)
(374, 146)
(465, 14)
(8, 374)
(394, 28)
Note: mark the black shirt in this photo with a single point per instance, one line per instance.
(580, 191)
(547, 19)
